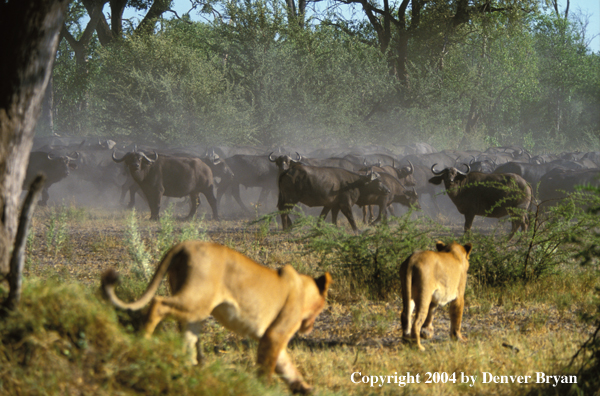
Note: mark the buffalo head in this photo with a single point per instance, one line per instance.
(284, 162)
(405, 171)
(448, 175)
(67, 162)
(135, 160)
(374, 184)
(412, 198)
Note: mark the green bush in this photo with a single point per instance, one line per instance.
(369, 263)
(553, 242)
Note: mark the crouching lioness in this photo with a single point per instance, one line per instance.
(431, 279)
(246, 297)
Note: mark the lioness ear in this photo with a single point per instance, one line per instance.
(468, 247)
(323, 283)
(439, 245)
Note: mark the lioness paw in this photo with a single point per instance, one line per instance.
(301, 388)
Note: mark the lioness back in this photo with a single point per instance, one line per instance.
(430, 279)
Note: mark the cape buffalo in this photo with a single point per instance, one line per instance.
(483, 194)
(55, 167)
(333, 188)
(171, 177)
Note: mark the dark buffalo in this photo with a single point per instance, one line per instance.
(484, 166)
(490, 195)
(218, 166)
(533, 173)
(556, 184)
(371, 159)
(334, 189)
(171, 177)
(398, 194)
(332, 162)
(249, 171)
(404, 176)
(54, 167)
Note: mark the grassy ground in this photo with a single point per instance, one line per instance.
(66, 340)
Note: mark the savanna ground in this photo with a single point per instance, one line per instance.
(528, 307)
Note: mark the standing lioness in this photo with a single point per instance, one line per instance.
(246, 297)
(431, 279)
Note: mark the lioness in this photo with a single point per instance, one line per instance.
(431, 279)
(246, 297)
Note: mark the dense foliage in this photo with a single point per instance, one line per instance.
(247, 76)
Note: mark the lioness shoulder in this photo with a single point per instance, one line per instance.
(430, 279)
(243, 295)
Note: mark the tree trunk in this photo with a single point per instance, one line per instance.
(46, 121)
(30, 31)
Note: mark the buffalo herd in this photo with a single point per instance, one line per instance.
(497, 182)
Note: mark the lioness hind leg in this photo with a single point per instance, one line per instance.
(288, 372)
(406, 317)
(427, 329)
(456, 313)
(422, 307)
(156, 313)
(191, 334)
(162, 307)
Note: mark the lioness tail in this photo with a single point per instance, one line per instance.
(110, 278)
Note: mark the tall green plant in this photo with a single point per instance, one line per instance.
(57, 230)
(137, 248)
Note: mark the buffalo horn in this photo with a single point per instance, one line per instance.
(73, 156)
(148, 159)
(270, 157)
(412, 168)
(298, 156)
(434, 172)
(117, 160)
(468, 170)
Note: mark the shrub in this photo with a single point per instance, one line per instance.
(369, 263)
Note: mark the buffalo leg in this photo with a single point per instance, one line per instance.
(469, 221)
(154, 204)
(284, 208)
(235, 191)
(262, 198)
(194, 198)
(334, 215)
(347, 211)
(212, 201)
(45, 196)
(132, 190)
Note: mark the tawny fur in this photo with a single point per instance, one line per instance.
(246, 297)
(430, 279)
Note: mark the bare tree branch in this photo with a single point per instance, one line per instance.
(15, 277)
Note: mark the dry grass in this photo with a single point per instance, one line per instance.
(517, 330)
